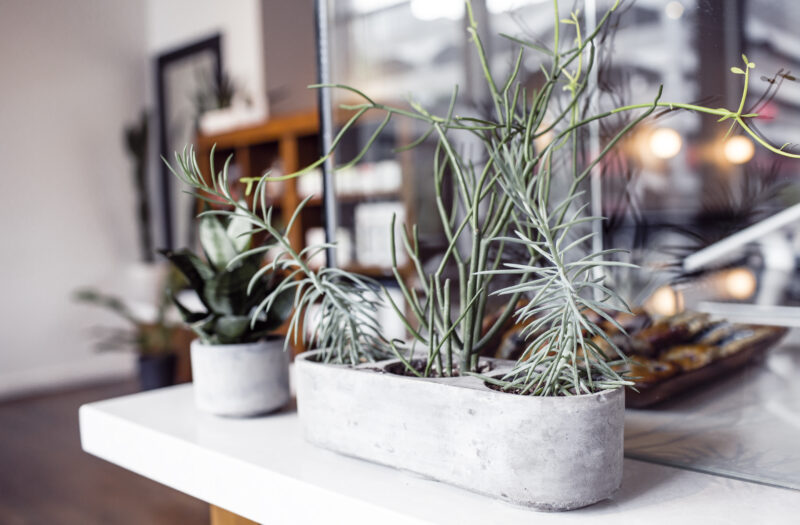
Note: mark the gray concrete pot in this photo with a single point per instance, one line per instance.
(543, 452)
(240, 380)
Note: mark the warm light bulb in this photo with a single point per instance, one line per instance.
(665, 143)
(739, 149)
(740, 283)
(666, 301)
(674, 10)
(432, 10)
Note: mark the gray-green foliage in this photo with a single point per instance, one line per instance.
(334, 310)
(510, 198)
(230, 283)
(526, 192)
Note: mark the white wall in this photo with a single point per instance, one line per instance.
(176, 23)
(173, 24)
(73, 75)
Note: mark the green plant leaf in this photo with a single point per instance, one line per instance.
(279, 310)
(224, 295)
(737, 70)
(188, 316)
(110, 302)
(231, 328)
(227, 291)
(218, 247)
(196, 271)
(239, 231)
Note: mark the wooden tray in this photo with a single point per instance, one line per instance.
(650, 394)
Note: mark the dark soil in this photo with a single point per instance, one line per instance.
(516, 391)
(419, 365)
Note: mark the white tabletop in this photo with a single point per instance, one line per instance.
(263, 470)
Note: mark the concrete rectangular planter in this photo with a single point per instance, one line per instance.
(542, 452)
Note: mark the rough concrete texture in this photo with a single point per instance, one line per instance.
(542, 452)
(240, 380)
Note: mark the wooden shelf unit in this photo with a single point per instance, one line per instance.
(292, 140)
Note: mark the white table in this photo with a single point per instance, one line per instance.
(262, 469)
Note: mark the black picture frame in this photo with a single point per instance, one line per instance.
(173, 83)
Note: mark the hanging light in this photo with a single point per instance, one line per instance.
(666, 300)
(738, 149)
(739, 283)
(665, 143)
(674, 10)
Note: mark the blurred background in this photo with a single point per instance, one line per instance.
(95, 91)
(78, 78)
(86, 209)
(90, 202)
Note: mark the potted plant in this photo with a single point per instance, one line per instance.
(222, 104)
(545, 431)
(152, 340)
(239, 366)
(136, 142)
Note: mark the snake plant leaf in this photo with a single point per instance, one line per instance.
(205, 329)
(196, 271)
(282, 306)
(227, 292)
(278, 312)
(231, 328)
(238, 231)
(191, 266)
(214, 292)
(218, 247)
(243, 274)
(259, 290)
(188, 316)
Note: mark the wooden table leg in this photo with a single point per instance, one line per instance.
(221, 516)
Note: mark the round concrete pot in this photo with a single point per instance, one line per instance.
(240, 380)
(549, 453)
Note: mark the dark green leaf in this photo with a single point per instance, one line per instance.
(231, 328)
(187, 315)
(192, 267)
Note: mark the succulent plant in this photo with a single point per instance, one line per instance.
(148, 337)
(230, 283)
